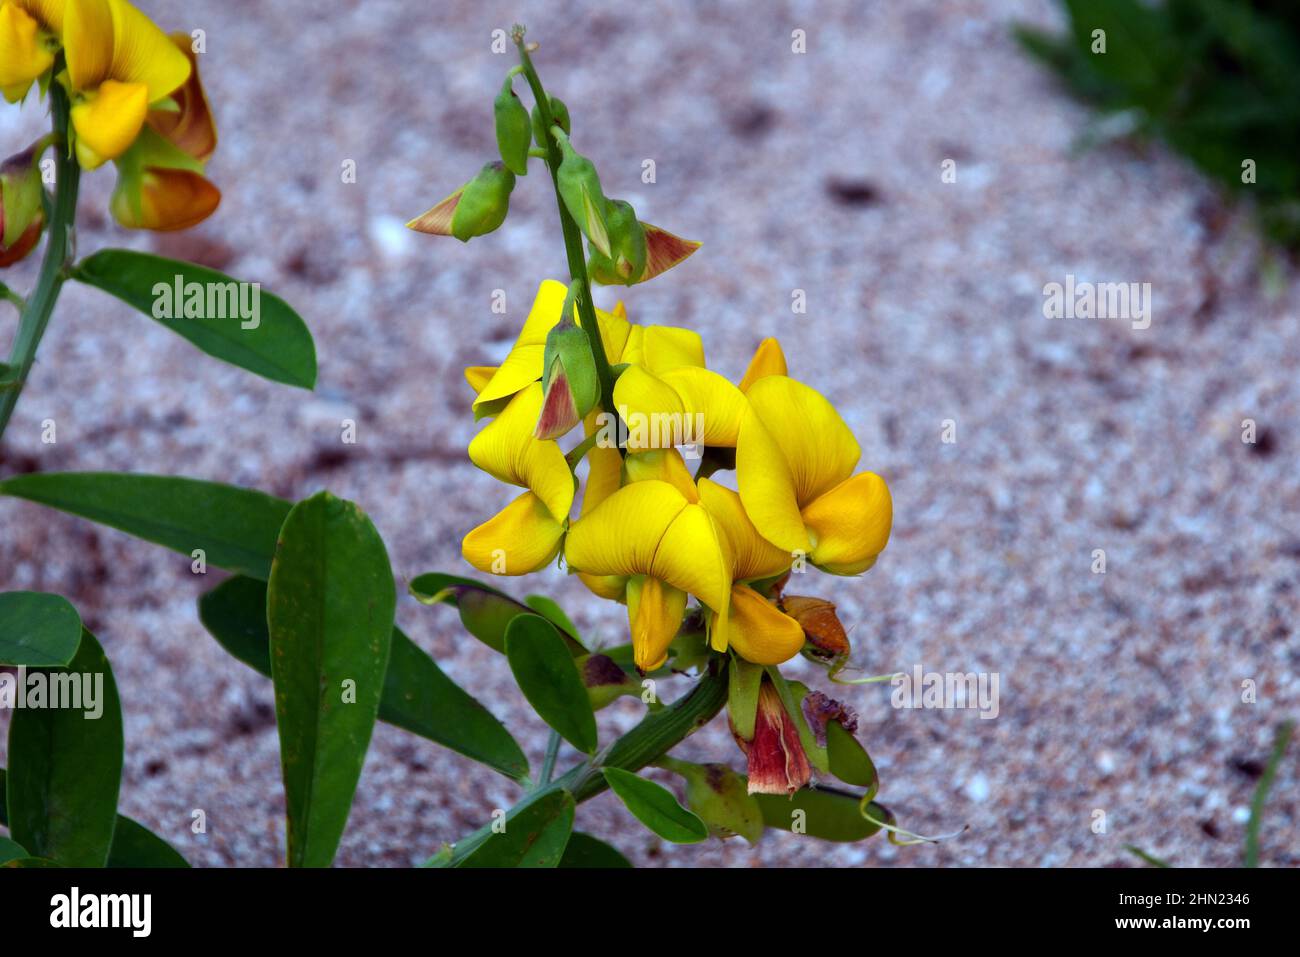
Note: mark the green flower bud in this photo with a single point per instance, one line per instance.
(580, 189)
(475, 209)
(514, 129)
(627, 241)
(569, 379)
(718, 795)
(22, 214)
(559, 116)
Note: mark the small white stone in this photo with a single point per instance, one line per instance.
(1106, 762)
(391, 236)
(1241, 814)
(977, 788)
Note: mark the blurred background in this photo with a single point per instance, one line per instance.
(821, 172)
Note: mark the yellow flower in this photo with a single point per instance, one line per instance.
(119, 63)
(29, 32)
(656, 347)
(526, 534)
(758, 630)
(794, 466)
(160, 182)
(667, 547)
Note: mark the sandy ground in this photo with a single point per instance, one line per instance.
(1120, 692)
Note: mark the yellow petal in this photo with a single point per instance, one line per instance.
(850, 524)
(768, 360)
(88, 43)
(759, 631)
(712, 401)
(479, 376)
(752, 556)
(816, 444)
(48, 13)
(23, 53)
(767, 488)
(670, 347)
(108, 121)
(522, 538)
(506, 449)
(621, 535)
(142, 53)
(692, 557)
(523, 365)
(604, 468)
(664, 465)
(609, 587)
(654, 613)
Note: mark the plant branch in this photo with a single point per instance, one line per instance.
(40, 305)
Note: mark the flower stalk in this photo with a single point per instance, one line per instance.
(39, 305)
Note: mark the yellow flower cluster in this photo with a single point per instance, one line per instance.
(135, 99)
(648, 533)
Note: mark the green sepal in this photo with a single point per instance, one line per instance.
(483, 203)
(579, 187)
(559, 117)
(514, 129)
(742, 696)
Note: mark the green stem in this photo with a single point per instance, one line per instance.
(656, 735)
(40, 305)
(8, 295)
(548, 762)
(572, 235)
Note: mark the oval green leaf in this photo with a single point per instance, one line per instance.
(11, 851)
(330, 605)
(418, 697)
(849, 760)
(655, 807)
(235, 527)
(544, 669)
(229, 320)
(134, 845)
(588, 852)
(485, 611)
(65, 766)
(37, 630)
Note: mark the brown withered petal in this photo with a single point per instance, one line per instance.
(663, 251)
(821, 626)
(600, 670)
(437, 220)
(169, 199)
(191, 127)
(777, 762)
(818, 709)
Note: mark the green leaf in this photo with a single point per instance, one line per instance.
(65, 766)
(655, 807)
(721, 798)
(824, 813)
(37, 629)
(11, 851)
(535, 835)
(330, 605)
(849, 760)
(273, 342)
(418, 697)
(546, 674)
(134, 845)
(586, 851)
(485, 611)
(235, 527)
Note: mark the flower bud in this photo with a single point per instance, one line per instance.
(777, 761)
(22, 214)
(821, 626)
(514, 129)
(580, 189)
(605, 681)
(477, 208)
(569, 377)
(559, 117)
(627, 241)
